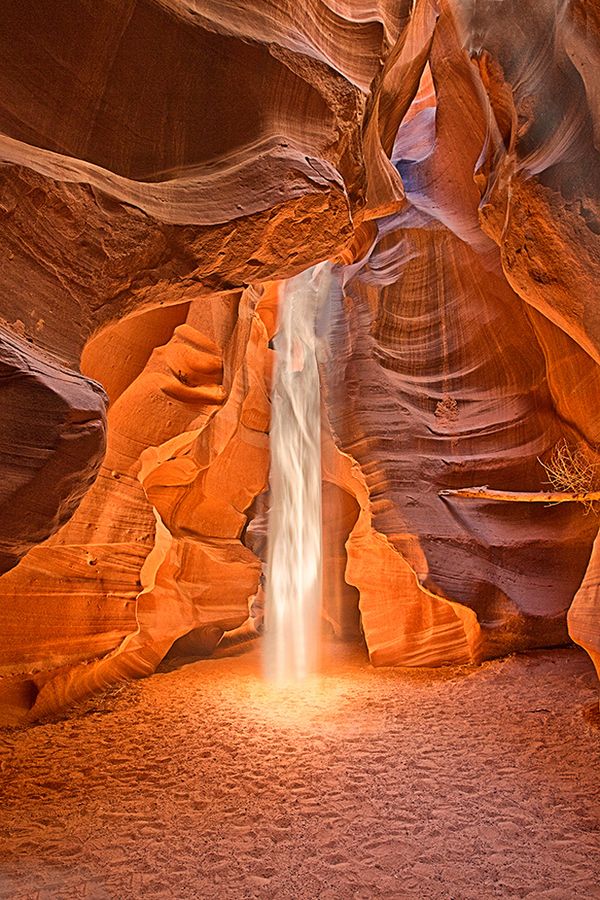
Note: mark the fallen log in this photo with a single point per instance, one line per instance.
(484, 492)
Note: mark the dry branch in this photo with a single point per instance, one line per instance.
(485, 493)
(573, 468)
(573, 474)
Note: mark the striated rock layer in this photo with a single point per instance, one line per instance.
(164, 164)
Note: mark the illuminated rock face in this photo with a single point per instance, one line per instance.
(164, 164)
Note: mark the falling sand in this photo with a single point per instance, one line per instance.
(293, 608)
(205, 782)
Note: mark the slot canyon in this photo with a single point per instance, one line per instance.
(299, 302)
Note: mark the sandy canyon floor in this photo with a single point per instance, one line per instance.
(204, 782)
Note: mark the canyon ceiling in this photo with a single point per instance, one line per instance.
(165, 164)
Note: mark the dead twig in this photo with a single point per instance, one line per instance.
(573, 473)
(486, 493)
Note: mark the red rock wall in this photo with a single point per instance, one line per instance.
(162, 163)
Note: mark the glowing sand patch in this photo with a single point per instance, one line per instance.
(293, 603)
(295, 705)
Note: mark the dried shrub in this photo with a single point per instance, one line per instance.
(574, 469)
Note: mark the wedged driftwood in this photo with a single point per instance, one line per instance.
(485, 493)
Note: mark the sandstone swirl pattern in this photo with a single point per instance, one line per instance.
(164, 163)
